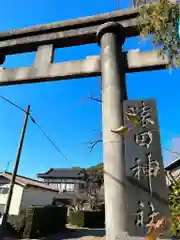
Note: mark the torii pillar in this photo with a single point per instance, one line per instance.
(111, 37)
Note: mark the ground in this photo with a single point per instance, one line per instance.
(74, 234)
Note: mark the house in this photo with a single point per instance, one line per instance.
(64, 179)
(26, 192)
(174, 170)
(68, 181)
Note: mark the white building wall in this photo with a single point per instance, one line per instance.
(68, 185)
(36, 196)
(16, 199)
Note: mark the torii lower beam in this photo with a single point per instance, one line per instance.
(48, 71)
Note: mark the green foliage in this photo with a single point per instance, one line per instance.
(93, 178)
(76, 218)
(174, 200)
(41, 221)
(95, 174)
(91, 219)
(162, 20)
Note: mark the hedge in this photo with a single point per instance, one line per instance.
(41, 221)
(37, 221)
(91, 219)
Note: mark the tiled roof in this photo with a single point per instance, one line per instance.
(174, 165)
(73, 173)
(24, 181)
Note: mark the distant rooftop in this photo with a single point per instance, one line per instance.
(174, 165)
(24, 181)
(66, 173)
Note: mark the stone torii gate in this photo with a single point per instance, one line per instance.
(110, 31)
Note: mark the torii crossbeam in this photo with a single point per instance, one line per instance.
(45, 38)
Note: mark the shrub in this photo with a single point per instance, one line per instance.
(15, 224)
(76, 218)
(41, 221)
(91, 219)
(175, 208)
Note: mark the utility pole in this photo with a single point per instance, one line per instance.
(12, 181)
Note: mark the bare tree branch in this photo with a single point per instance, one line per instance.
(95, 99)
(93, 144)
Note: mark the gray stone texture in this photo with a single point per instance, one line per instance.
(67, 33)
(59, 38)
(146, 192)
(113, 95)
(91, 67)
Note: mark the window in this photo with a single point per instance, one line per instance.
(70, 187)
(4, 190)
(63, 186)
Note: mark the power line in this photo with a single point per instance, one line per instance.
(177, 153)
(7, 100)
(48, 138)
(39, 127)
(45, 134)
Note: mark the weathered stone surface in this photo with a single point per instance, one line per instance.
(59, 38)
(44, 56)
(145, 61)
(43, 70)
(146, 185)
(43, 60)
(56, 71)
(72, 24)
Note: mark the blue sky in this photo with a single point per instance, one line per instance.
(54, 105)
